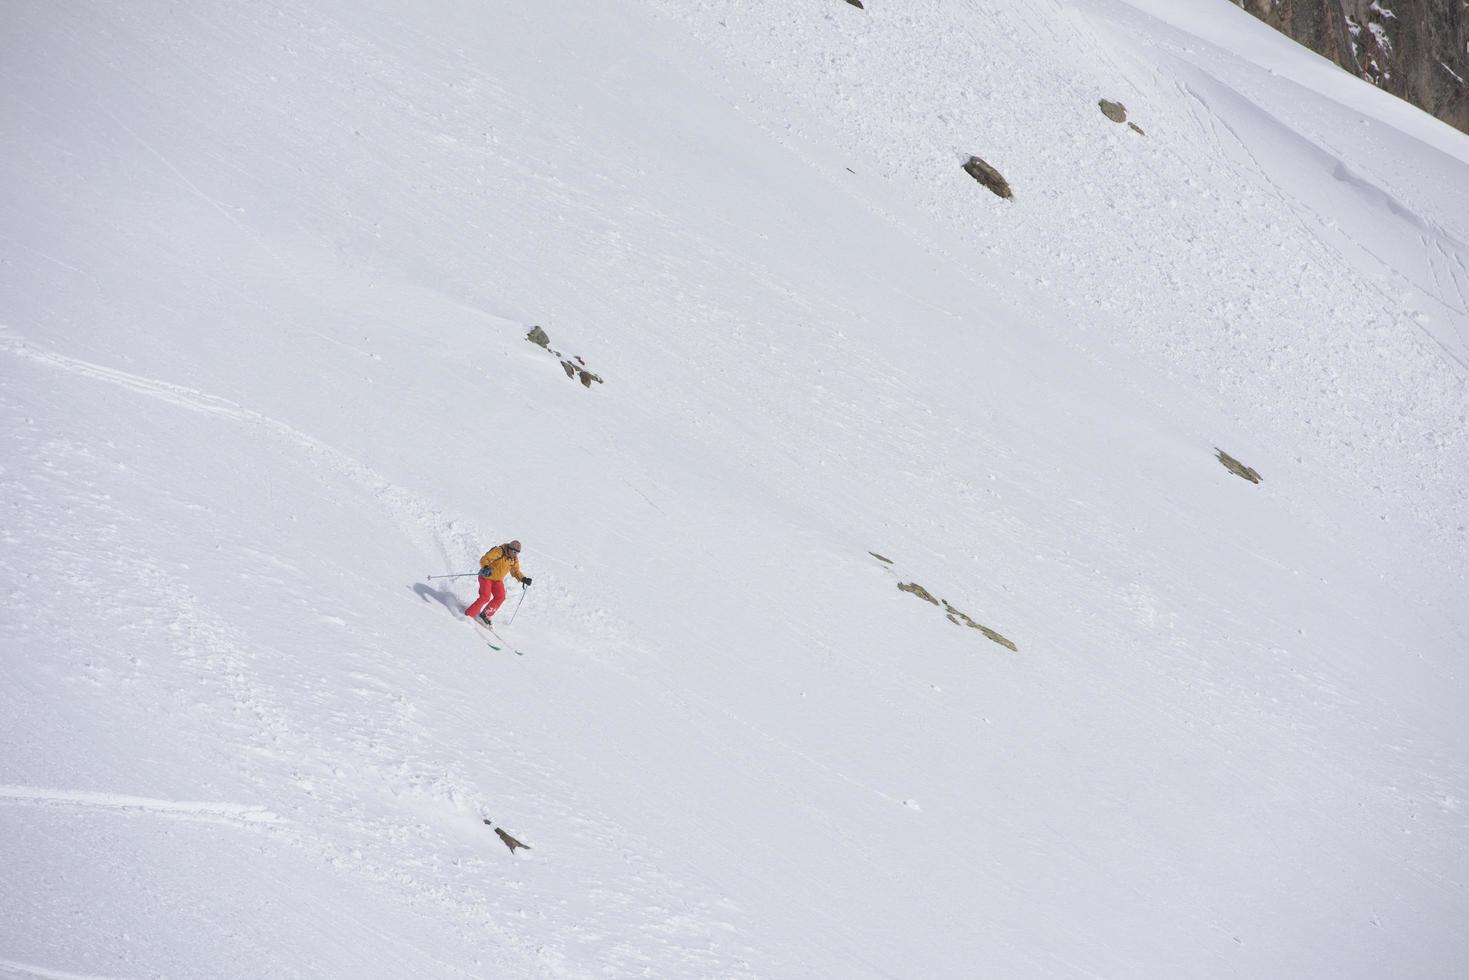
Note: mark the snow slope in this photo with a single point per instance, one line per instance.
(267, 273)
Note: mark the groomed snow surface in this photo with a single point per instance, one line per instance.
(266, 272)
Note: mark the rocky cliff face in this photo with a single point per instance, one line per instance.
(1416, 49)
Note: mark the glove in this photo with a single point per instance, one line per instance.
(526, 581)
(485, 572)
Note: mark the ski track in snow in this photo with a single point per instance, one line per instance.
(453, 541)
(418, 519)
(32, 970)
(1438, 245)
(236, 813)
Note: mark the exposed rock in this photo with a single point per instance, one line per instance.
(988, 176)
(1136, 128)
(886, 561)
(1236, 467)
(857, 4)
(913, 588)
(510, 842)
(955, 617)
(576, 371)
(1418, 51)
(1115, 111)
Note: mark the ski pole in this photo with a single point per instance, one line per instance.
(459, 575)
(523, 590)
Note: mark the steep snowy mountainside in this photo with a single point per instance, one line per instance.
(268, 271)
(1129, 232)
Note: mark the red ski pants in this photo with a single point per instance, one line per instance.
(491, 594)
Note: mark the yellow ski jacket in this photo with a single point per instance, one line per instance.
(497, 563)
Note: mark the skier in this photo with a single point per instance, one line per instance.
(498, 562)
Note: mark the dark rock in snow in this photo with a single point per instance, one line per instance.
(510, 842)
(955, 617)
(1236, 467)
(913, 588)
(580, 373)
(988, 176)
(885, 561)
(857, 4)
(1117, 112)
(576, 371)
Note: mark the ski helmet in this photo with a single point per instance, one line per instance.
(514, 546)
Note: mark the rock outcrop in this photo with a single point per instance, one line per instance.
(1236, 467)
(913, 588)
(960, 619)
(988, 176)
(574, 366)
(1416, 49)
(953, 615)
(509, 841)
(1117, 112)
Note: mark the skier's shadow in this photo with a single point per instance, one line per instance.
(442, 596)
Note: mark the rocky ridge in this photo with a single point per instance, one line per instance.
(1417, 51)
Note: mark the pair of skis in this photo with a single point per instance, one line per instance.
(504, 643)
